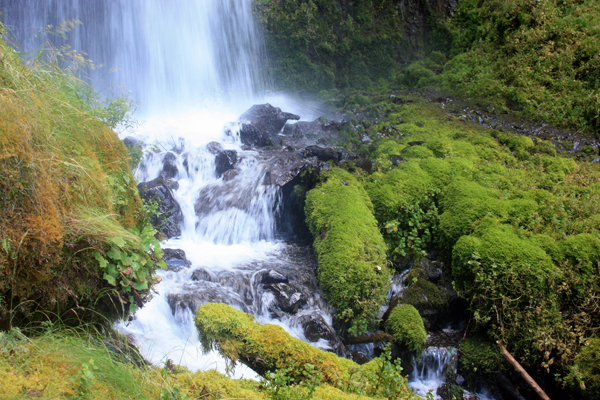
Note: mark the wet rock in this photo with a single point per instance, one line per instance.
(364, 164)
(315, 328)
(170, 217)
(288, 298)
(230, 174)
(416, 143)
(272, 276)
(170, 169)
(175, 259)
(360, 357)
(252, 136)
(202, 274)
(267, 119)
(214, 147)
(432, 270)
(396, 160)
(224, 161)
(284, 168)
(322, 154)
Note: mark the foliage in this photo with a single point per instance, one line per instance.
(584, 376)
(406, 325)
(479, 359)
(66, 190)
(353, 272)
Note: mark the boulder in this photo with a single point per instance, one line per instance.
(322, 154)
(175, 259)
(170, 217)
(288, 298)
(224, 161)
(214, 147)
(202, 274)
(230, 174)
(261, 124)
(316, 328)
(272, 276)
(170, 169)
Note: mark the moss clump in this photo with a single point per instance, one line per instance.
(423, 295)
(268, 348)
(584, 376)
(479, 359)
(353, 271)
(407, 327)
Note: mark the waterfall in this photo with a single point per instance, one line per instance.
(168, 53)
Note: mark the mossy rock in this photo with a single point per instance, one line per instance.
(479, 359)
(584, 376)
(353, 272)
(406, 325)
(498, 245)
(424, 295)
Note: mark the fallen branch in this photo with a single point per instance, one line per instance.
(511, 360)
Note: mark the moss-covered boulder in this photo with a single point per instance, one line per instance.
(353, 272)
(406, 325)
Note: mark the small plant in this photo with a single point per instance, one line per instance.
(171, 392)
(386, 379)
(87, 378)
(281, 386)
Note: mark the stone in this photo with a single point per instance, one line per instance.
(224, 161)
(175, 259)
(289, 298)
(214, 147)
(272, 276)
(316, 328)
(170, 218)
(202, 274)
(170, 169)
(322, 154)
(230, 174)
(261, 123)
(396, 159)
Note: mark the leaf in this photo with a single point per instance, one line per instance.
(101, 260)
(110, 279)
(162, 264)
(140, 285)
(115, 253)
(112, 270)
(118, 241)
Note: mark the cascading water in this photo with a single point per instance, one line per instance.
(168, 53)
(194, 66)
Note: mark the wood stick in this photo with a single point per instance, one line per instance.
(511, 360)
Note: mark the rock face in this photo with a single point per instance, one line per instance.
(170, 169)
(323, 154)
(315, 328)
(261, 124)
(160, 190)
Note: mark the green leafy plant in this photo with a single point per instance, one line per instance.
(415, 228)
(131, 269)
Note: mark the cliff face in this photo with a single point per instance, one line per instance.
(321, 44)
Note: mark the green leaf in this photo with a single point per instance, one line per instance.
(112, 270)
(115, 253)
(162, 264)
(101, 260)
(118, 241)
(110, 279)
(140, 285)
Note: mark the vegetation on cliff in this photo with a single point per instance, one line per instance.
(73, 241)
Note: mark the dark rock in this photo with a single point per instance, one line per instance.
(170, 218)
(284, 168)
(202, 275)
(511, 105)
(133, 143)
(225, 160)
(360, 357)
(170, 169)
(364, 164)
(432, 270)
(322, 154)
(175, 259)
(416, 143)
(315, 328)
(272, 276)
(396, 160)
(214, 147)
(252, 136)
(289, 298)
(267, 119)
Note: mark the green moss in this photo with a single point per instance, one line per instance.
(584, 376)
(269, 348)
(582, 252)
(417, 152)
(406, 325)
(424, 295)
(353, 271)
(464, 203)
(479, 359)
